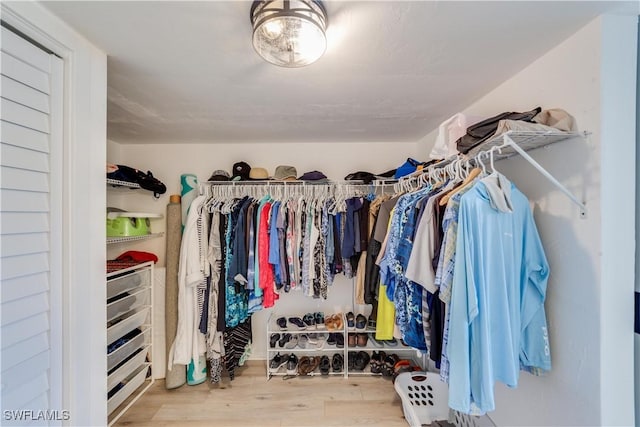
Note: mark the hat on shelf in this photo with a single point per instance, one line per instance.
(220, 175)
(315, 176)
(241, 171)
(285, 173)
(365, 177)
(258, 174)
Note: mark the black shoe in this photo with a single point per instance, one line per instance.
(351, 361)
(339, 340)
(325, 365)
(309, 320)
(361, 361)
(274, 339)
(292, 364)
(319, 317)
(361, 322)
(285, 339)
(298, 322)
(332, 339)
(282, 322)
(277, 362)
(337, 362)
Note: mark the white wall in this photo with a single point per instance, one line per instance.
(336, 160)
(572, 76)
(637, 251)
(84, 311)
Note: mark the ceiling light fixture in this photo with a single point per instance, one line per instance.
(289, 33)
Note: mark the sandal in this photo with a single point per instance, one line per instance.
(337, 362)
(375, 362)
(274, 339)
(284, 340)
(282, 322)
(389, 362)
(304, 365)
(277, 362)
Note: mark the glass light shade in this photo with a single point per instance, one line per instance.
(289, 33)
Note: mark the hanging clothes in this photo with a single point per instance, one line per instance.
(499, 281)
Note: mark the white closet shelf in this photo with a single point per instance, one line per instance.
(526, 140)
(127, 239)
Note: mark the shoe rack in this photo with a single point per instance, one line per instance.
(301, 347)
(318, 346)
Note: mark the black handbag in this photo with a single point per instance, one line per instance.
(482, 131)
(145, 180)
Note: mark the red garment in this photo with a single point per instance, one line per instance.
(266, 276)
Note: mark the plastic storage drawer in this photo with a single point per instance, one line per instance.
(127, 369)
(121, 306)
(126, 325)
(133, 382)
(121, 353)
(128, 282)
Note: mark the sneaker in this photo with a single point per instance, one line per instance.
(351, 322)
(309, 320)
(292, 364)
(331, 340)
(277, 362)
(375, 342)
(361, 322)
(319, 318)
(337, 362)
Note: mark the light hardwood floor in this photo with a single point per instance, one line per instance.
(251, 400)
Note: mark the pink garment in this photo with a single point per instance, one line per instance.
(266, 280)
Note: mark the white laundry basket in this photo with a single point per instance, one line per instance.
(424, 397)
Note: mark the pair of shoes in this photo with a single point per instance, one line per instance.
(277, 362)
(351, 339)
(361, 322)
(377, 361)
(351, 360)
(361, 360)
(307, 364)
(325, 365)
(298, 323)
(334, 322)
(337, 362)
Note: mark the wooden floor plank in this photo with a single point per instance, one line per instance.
(252, 400)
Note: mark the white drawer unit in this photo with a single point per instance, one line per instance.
(129, 336)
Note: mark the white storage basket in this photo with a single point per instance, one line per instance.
(424, 397)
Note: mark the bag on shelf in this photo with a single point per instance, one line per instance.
(482, 131)
(145, 180)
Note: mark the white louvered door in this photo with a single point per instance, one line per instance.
(30, 233)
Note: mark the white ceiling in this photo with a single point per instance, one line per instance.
(393, 70)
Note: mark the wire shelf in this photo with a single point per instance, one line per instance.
(527, 140)
(122, 184)
(126, 239)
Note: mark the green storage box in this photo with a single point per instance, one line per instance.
(128, 224)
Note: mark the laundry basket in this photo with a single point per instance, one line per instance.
(424, 397)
